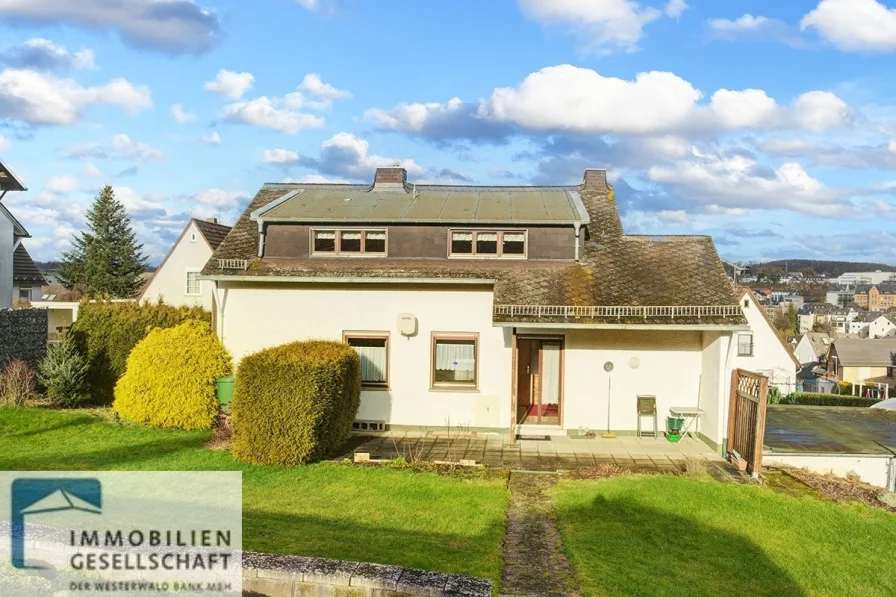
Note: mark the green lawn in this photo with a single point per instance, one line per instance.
(662, 535)
(400, 517)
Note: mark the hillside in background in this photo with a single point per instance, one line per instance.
(830, 269)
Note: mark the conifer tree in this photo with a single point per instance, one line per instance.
(106, 259)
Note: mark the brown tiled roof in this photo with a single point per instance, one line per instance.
(213, 232)
(23, 269)
(615, 269)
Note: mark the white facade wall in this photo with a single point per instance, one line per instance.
(7, 243)
(859, 328)
(881, 328)
(872, 469)
(169, 283)
(668, 364)
(804, 352)
(807, 322)
(770, 357)
(864, 277)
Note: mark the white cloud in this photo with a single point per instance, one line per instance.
(213, 138)
(221, 199)
(180, 115)
(39, 98)
(230, 84)
(746, 22)
(892, 146)
(581, 100)
(266, 112)
(675, 8)
(854, 25)
(677, 216)
(280, 156)
(347, 156)
(602, 24)
(739, 182)
(454, 119)
(42, 54)
(121, 147)
(91, 171)
(61, 185)
(315, 179)
(138, 205)
(4, 143)
(171, 26)
(313, 84)
(326, 7)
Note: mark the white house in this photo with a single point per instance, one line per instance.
(883, 326)
(812, 347)
(504, 308)
(762, 349)
(176, 281)
(27, 281)
(11, 235)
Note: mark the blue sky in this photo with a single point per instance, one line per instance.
(769, 125)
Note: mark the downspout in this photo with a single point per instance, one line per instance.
(260, 238)
(726, 385)
(578, 226)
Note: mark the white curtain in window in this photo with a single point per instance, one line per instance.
(460, 358)
(468, 236)
(376, 236)
(325, 235)
(487, 236)
(550, 373)
(351, 236)
(373, 362)
(514, 237)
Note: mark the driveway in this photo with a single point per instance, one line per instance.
(829, 430)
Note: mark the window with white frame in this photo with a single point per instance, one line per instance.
(487, 243)
(24, 294)
(454, 360)
(745, 345)
(193, 283)
(349, 242)
(373, 350)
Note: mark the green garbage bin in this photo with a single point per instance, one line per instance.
(674, 425)
(225, 392)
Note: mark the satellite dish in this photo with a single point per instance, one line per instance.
(608, 366)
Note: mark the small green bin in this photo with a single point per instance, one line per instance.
(674, 425)
(225, 392)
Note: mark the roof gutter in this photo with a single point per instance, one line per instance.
(346, 280)
(671, 327)
(403, 221)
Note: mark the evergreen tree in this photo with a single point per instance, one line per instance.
(106, 259)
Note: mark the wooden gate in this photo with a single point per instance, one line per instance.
(746, 417)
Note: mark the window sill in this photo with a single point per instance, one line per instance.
(375, 388)
(466, 389)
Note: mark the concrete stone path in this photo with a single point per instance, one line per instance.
(534, 562)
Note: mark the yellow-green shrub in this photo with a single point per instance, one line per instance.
(107, 332)
(170, 378)
(296, 402)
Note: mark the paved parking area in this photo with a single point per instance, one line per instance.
(559, 452)
(829, 430)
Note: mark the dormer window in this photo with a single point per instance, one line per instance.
(349, 242)
(508, 244)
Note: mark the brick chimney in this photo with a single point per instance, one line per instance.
(211, 220)
(596, 179)
(395, 175)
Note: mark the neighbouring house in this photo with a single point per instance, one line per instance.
(884, 326)
(27, 281)
(876, 297)
(176, 281)
(875, 277)
(523, 309)
(762, 349)
(840, 320)
(812, 348)
(841, 296)
(11, 234)
(861, 324)
(862, 361)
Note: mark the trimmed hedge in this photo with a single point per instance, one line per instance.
(813, 399)
(107, 333)
(296, 402)
(170, 378)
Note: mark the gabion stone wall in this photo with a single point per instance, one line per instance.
(23, 335)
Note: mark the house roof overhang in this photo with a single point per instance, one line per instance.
(669, 327)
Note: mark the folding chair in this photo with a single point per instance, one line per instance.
(647, 408)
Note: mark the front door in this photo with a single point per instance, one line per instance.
(538, 381)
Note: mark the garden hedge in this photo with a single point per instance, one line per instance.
(170, 378)
(296, 402)
(107, 332)
(813, 399)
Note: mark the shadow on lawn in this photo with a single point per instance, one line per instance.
(76, 422)
(282, 533)
(119, 457)
(623, 548)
